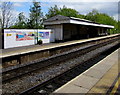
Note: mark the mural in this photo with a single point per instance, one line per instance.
(43, 35)
(30, 35)
(8, 34)
(24, 36)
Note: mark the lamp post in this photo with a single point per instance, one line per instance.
(37, 21)
(37, 28)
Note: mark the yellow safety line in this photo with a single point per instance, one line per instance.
(115, 87)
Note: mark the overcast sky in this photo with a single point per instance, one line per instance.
(82, 6)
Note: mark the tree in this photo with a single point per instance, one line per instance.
(35, 19)
(102, 18)
(21, 17)
(63, 11)
(6, 15)
(53, 11)
(92, 15)
(21, 22)
(68, 12)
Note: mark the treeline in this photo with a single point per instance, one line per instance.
(36, 17)
(94, 16)
(33, 22)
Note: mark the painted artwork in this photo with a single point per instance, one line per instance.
(8, 34)
(24, 36)
(43, 35)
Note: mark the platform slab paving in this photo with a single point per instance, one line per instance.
(95, 79)
(0, 91)
(72, 88)
(105, 83)
(33, 48)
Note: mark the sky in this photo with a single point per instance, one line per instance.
(109, 7)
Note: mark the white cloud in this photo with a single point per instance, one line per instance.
(115, 17)
(68, 6)
(62, 0)
(71, 1)
(82, 6)
(78, 1)
(16, 0)
(17, 4)
(15, 13)
(111, 8)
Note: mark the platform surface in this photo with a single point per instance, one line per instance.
(34, 48)
(103, 78)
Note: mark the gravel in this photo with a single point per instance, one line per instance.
(39, 76)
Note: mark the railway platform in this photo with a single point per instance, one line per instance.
(34, 48)
(102, 78)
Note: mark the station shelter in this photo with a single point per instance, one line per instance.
(71, 28)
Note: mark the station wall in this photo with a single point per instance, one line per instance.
(25, 37)
(58, 31)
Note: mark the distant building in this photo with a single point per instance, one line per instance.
(69, 28)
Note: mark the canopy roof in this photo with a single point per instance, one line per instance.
(59, 19)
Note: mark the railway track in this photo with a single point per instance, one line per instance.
(17, 72)
(8, 81)
(51, 85)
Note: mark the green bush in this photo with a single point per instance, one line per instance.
(40, 42)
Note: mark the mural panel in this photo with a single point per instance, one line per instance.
(43, 35)
(20, 36)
